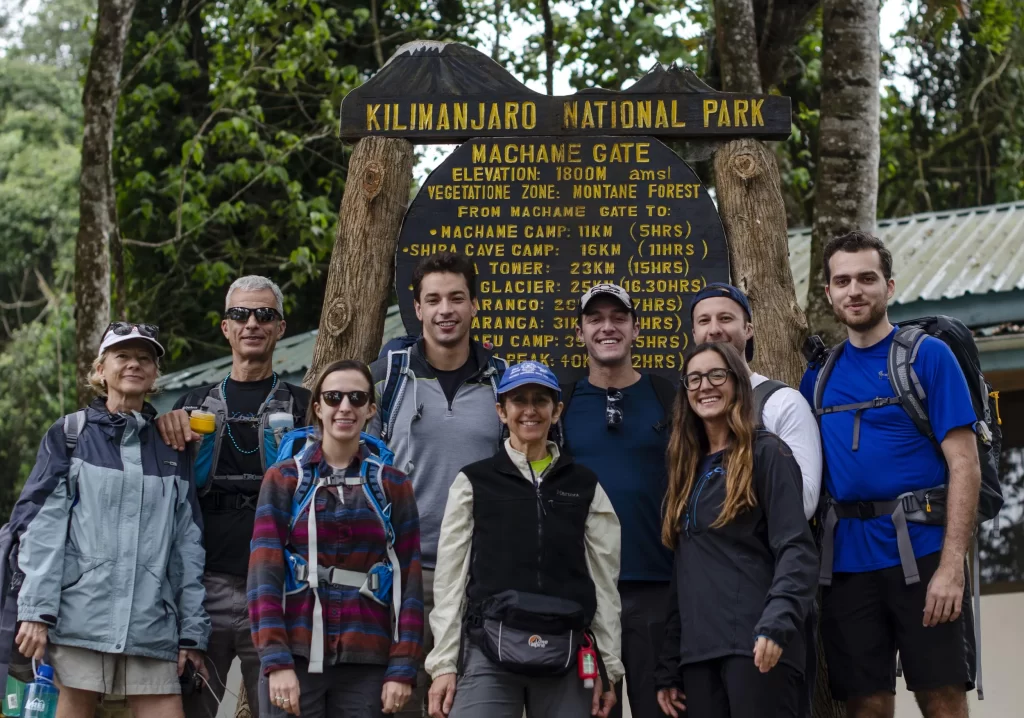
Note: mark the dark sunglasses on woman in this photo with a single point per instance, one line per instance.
(242, 314)
(123, 329)
(334, 398)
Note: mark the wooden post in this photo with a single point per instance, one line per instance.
(363, 259)
(754, 214)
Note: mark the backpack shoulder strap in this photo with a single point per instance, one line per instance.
(904, 380)
(394, 386)
(73, 425)
(823, 374)
(762, 392)
(371, 469)
(666, 393)
(496, 369)
(568, 389)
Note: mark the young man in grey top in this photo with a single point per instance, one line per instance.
(436, 407)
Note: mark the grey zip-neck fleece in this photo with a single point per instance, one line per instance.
(432, 441)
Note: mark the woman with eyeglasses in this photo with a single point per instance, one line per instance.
(745, 566)
(111, 548)
(335, 592)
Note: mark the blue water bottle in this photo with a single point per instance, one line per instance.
(41, 695)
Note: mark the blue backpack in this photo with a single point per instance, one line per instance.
(383, 582)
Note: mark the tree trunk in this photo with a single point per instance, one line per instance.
(848, 148)
(96, 202)
(750, 202)
(363, 259)
(754, 214)
(549, 46)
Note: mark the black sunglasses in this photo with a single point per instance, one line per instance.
(716, 377)
(613, 408)
(123, 329)
(263, 314)
(356, 398)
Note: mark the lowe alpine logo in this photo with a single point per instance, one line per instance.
(36, 704)
(537, 642)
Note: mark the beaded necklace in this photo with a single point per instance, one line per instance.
(224, 393)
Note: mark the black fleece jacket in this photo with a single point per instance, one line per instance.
(755, 576)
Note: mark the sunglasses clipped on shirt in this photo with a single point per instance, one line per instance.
(242, 314)
(716, 377)
(613, 408)
(123, 329)
(333, 399)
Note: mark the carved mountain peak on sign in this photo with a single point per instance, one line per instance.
(674, 79)
(424, 67)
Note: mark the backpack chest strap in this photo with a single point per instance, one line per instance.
(858, 409)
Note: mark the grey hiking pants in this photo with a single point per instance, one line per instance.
(229, 615)
(348, 690)
(484, 690)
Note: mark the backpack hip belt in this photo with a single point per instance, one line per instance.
(925, 506)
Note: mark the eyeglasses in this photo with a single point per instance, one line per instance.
(356, 398)
(613, 408)
(123, 329)
(716, 377)
(242, 314)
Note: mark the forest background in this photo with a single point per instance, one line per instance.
(227, 159)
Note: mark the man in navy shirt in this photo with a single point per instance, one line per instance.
(616, 424)
(870, 612)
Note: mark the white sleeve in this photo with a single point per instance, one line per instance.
(788, 415)
(451, 576)
(603, 539)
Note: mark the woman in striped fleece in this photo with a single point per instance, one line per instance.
(335, 651)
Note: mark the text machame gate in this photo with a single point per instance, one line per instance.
(550, 195)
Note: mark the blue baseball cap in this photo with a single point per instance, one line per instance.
(721, 289)
(529, 372)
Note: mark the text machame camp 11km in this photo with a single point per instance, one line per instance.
(551, 195)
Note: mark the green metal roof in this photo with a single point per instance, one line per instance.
(291, 358)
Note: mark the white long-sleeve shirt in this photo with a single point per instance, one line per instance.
(451, 575)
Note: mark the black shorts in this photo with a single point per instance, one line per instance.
(867, 617)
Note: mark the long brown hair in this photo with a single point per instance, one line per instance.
(689, 442)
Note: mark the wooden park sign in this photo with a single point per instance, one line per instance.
(551, 195)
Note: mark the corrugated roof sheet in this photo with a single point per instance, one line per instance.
(941, 255)
(292, 356)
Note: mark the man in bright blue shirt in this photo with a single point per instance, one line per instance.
(876, 454)
(616, 423)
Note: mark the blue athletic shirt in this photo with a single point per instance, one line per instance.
(894, 456)
(629, 461)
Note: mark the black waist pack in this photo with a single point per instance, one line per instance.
(529, 633)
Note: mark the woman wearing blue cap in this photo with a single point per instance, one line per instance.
(527, 564)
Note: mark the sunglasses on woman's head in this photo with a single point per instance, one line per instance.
(242, 314)
(716, 377)
(334, 398)
(123, 329)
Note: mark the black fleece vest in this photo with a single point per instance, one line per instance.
(531, 539)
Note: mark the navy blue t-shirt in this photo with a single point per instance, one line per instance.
(893, 456)
(629, 461)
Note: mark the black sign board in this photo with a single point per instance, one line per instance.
(545, 218)
(446, 92)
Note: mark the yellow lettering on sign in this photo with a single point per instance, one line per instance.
(494, 119)
(710, 107)
(371, 117)
(643, 114)
(529, 115)
(570, 114)
(661, 120)
(588, 117)
(396, 125)
(461, 110)
(442, 118)
(723, 115)
(426, 116)
(478, 123)
(675, 121)
(511, 115)
(755, 113)
(740, 108)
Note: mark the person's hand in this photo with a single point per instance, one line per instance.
(766, 653)
(31, 639)
(670, 700)
(603, 701)
(198, 662)
(175, 430)
(945, 595)
(284, 690)
(441, 696)
(394, 696)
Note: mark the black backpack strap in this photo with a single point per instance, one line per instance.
(73, 425)
(822, 379)
(665, 390)
(904, 380)
(558, 435)
(762, 392)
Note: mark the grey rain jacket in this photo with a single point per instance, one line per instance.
(112, 544)
(757, 575)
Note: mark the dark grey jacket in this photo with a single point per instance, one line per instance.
(754, 576)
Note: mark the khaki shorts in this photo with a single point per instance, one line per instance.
(113, 674)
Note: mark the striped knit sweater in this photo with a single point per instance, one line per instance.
(350, 536)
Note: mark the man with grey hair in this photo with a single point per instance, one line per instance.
(252, 408)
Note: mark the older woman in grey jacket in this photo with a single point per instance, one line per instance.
(112, 551)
